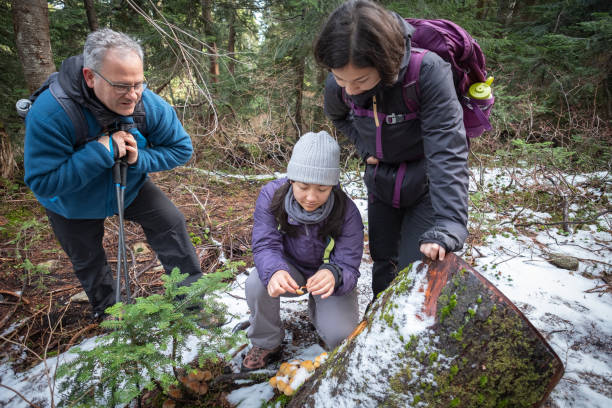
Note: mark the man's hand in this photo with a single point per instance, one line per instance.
(321, 283)
(281, 282)
(433, 250)
(124, 143)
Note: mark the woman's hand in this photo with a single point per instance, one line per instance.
(433, 250)
(321, 283)
(281, 282)
(372, 160)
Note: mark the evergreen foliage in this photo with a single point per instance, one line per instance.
(147, 339)
(551, 61)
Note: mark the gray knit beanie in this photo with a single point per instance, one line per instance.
(315, 160)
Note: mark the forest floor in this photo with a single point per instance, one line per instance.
(39, 318)
(38, 308)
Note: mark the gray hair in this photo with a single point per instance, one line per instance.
(99, 42)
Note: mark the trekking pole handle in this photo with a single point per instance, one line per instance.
(120, 166)
(123, 166)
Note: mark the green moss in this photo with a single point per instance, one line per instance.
(388, 317)
(453, 372)
(458, 334)
(483, 381)
(399, 381)
(446, 310)
(499, 364)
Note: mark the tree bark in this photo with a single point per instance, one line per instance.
(440, 336)
(505, 11)
(210, 39)
(231, 42)
(482, 6)
(92, 17)
(319, 114)
(299, 92)
(31, 27)
(7, 157)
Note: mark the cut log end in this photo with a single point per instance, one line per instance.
(476, 348)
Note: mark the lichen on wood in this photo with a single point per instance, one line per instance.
(468, 346)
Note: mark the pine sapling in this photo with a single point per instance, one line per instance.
(144, 348)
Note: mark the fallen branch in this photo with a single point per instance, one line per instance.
(79, 333)
(20, 395)
(15, 294)
(14, 308)
(225, 378)
(591, 220)
(235, 296)
(601, 288)
(64, 289)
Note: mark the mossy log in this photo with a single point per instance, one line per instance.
(440, 336)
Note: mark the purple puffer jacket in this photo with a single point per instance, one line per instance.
(273, 249)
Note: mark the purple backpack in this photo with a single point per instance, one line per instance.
(454, 45)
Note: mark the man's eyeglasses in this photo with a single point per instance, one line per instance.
(122, 89)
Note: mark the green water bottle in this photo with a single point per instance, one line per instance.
(481, 90)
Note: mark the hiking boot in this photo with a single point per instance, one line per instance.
(258, 358)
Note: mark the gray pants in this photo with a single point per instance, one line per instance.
(334, 317)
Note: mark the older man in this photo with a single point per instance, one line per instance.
(70, 173)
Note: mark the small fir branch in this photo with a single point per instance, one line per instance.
(144, 348)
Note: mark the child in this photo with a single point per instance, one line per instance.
(306, 232)
(416, 169)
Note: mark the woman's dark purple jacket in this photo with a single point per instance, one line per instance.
(273, 250)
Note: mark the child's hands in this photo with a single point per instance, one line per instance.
(281, 282)
(321, 283)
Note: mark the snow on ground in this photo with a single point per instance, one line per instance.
(562, 304)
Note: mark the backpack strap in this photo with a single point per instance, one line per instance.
(329, 247)
(73, 110)
(411, 80)
(140, 119)
(397, 188)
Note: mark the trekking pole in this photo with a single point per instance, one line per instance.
(119, 178)
(126, 273)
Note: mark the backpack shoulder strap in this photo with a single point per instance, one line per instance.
(411, 79)
(140, 118)
(51, 78)
(73, 110)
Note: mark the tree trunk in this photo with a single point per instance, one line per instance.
(482, 6)
(299, 92)
(319, 114)
(210, 39)
(92, 17)
(505, 11)
(31, 26)
(231, 42)
(440, 336)
(7, 158)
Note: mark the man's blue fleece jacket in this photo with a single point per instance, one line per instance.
(77, 183)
